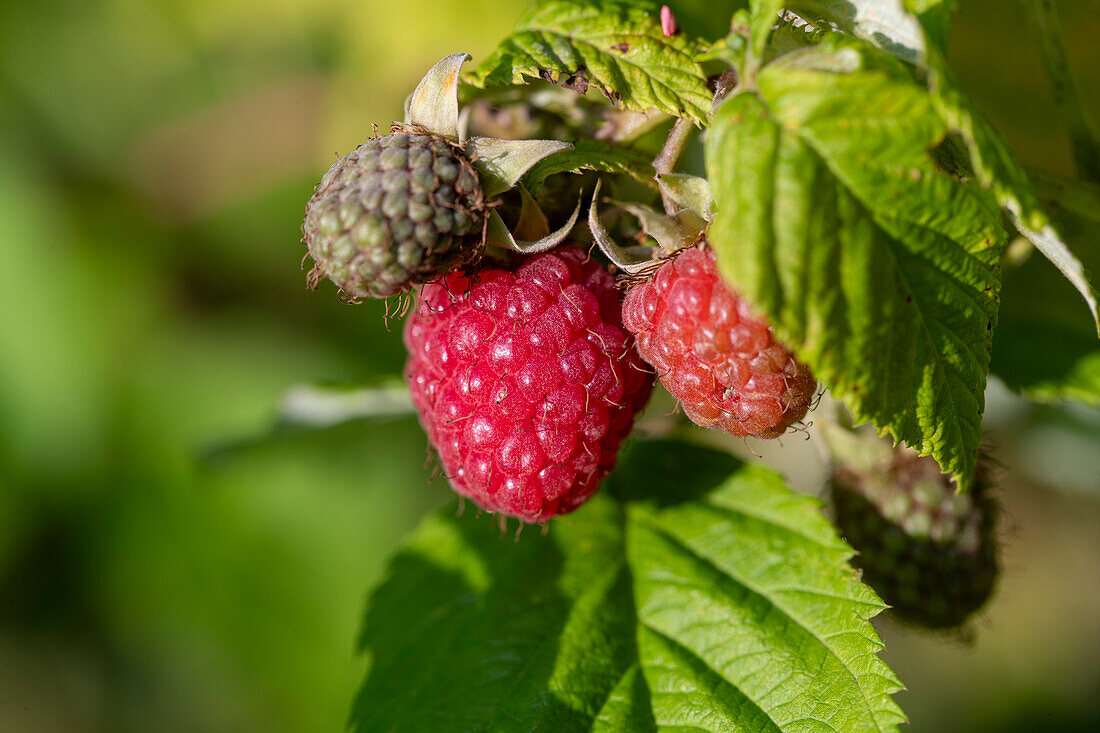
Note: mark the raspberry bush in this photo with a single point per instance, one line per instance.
(806, 206)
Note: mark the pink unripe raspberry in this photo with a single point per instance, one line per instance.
(720, 360)
(525, 381)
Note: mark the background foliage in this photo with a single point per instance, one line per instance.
(164, 562)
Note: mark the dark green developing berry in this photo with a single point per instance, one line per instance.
(928, 552)
(398, 210)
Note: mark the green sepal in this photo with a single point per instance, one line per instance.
(501, 163)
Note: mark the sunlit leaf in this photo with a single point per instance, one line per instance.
(694, 593)
(997, 168)
(615, 45)
(880, 270)
(1045, 345)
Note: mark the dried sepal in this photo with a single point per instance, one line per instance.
(532, 224)
(687, 193)
(672, 233)
(497, 233)
(631, 260)
(433, 106)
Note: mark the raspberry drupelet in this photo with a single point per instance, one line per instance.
(712, 353)
(525, 381)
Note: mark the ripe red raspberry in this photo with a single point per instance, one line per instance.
(721, 361)
(526, 382)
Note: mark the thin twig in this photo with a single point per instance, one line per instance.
(666, 160)
(1082, 131)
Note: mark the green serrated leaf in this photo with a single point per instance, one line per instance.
(885, 23)
(763, 16)
(791, 34)
(1045, 345)
(618, 46)
(695, 593)
(996, 167)
(1041, 350)
(878, 269)
(916, 31)
(591, 155)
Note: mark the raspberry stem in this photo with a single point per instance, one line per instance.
(666, 160)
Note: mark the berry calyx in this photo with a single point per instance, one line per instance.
(713, 353)
(525, 381)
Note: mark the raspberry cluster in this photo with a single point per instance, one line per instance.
(929, 552)
(525, 381)
(721, 361)
(392, 213)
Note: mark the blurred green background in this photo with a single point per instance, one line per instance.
(163, 565)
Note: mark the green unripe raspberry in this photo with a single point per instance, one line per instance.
(927, 552)
(398, 210)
